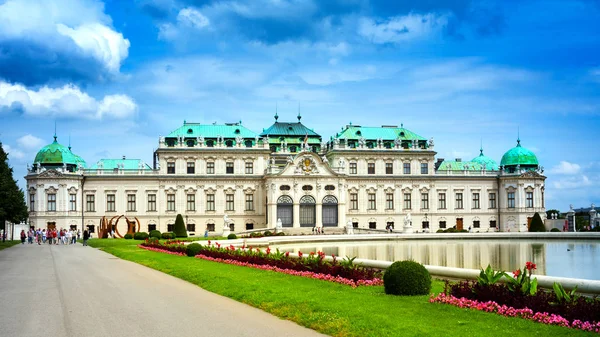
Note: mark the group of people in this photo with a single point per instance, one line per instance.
(318, 230)
(51, 236)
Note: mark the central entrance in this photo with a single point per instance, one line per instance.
(459, 224)
(307, 211)
(285, 210)
(51, 225)
(330, 211)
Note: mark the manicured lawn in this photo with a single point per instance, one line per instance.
(331, 308)
(7, 244)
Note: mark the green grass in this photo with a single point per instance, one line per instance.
(331, 308)
(8, 244)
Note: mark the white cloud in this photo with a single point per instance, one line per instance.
(13, 153)
(57, 23)
(576, 182)
(566, 168)
(402, 28)
(68, 100)
(193, 18)
(30, 142)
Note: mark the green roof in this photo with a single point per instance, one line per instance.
(127, 164)
(289, 129)
(385, 133)
(519, 155)
(57, 154)
(486, 161)
(293, 140)
(229, 130)
(459, 166)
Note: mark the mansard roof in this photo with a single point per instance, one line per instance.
(227, 130)
(384, 132)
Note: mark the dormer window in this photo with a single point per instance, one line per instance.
(290, 128)
(189, 131)
(237, 131)
(358, 133)
(402, 134)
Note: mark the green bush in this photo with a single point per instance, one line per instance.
(173, 236)
(231, 236)
(440, 231)
(555, 230)
(128, 236)
(280, 234)
(406, 278)
(268, 233)
(193, 249)
(152, 240)
(140, 235)
(167, 236)
(537, 225)
(155, 234)
(179, 230)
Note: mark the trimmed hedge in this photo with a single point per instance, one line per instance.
(407, 278)
(555, 230)
(537, 225)
(231, 236)
(167, 235)
(140, 235)
(128, 236)
(155, 234)
(193, 249)
(179, 228)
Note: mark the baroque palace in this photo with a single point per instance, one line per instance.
(371, 177)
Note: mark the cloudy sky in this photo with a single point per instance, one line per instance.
(115, 75)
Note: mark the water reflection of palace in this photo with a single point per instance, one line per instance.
(472, 254)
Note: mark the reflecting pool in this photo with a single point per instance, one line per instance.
(560, 258)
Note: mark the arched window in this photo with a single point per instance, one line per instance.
(285, 211)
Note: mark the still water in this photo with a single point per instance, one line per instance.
(569, 258)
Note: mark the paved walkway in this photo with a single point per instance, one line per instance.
(81, 291)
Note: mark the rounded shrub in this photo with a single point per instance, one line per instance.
(140, 235)
(128, 236)
(537, 224)
(280, 234)
(155, 234)
(268, 233)
(166, 235)
(440, 231)
(407, 278)
(555, 230)
(231, 236)
(193, 249)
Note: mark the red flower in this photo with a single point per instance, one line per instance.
(299, 254)
(268, 250)
(517, 272)
(287, 254)
(312, 253)
(530, 265)
(209, 242)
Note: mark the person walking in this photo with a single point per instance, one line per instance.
(23, 236)
(73, 237)
(68, 235)
(86, 236)
(44, 235)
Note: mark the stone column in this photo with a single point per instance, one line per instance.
(296, 212)
(319, 214)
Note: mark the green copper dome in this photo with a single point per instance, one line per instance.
(519, 155)
(55, 154)
(485, 161)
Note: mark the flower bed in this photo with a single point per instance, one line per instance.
(311, 265)
(520, 297)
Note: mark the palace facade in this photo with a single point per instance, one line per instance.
(371, 177)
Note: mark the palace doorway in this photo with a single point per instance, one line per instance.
(51, 226)
(459, 224)
(330, 211)
(285, 210)
(307, 211)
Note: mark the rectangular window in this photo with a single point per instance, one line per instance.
(459, 201)
(91, 228)
(90, 203)
(52, 202)
(476, 224)
(170, 227)
(442, 224)
(171, 202)
(210, 202)
(249, 226)
(353, 168)
(529, 199)
(229, 205)
(210, 167)
(191, 202)
(229, 167)
(442, 201)
(492, 200)
(389, 168)
(425, 224)
(389, 201)
(151, 202)
(191, 167)
(151, 227)
(72, 202)
(131, 202)
(371, 168)
(249, 202)
(511, 199)
(475, 200)
(372, 203)
(406, 168)
(110, 203)
(425, 201)
(354, 201)
(249, 168)
(493, 223)
(424, 168)
(32, 202)
(210, 227)
(372, 225)
(170, 168)
(191, 227)
(407, 201)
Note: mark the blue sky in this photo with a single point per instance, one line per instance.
(115, 75)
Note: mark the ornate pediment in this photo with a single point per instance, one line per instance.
(50, 174)
(531, 174)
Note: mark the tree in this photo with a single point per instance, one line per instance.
(537, 225)
(12, 200)
(553, 211)
(180, 230)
